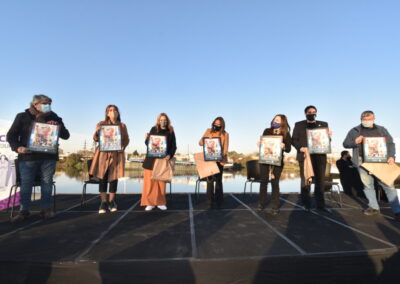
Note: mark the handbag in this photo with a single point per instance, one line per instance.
(205, 169)
(163, 170)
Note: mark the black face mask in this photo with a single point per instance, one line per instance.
(217, 128)
(348, 158)
(311, 117)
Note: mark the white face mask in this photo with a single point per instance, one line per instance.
(367, 123)
(45, 108)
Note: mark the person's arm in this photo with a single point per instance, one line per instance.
(64, 133)
(225, 149)
(389, 143)
(287, 141)
(125, 136)
(172, 148)
(265, 132)
(340, 165)
(296, 137)
(226, 146)
(146, 140)
(350, 140)
(14, 133)
(204, 135)
(96, 135)
(329, 131)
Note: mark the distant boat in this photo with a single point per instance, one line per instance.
(186, 163)
(228, 166)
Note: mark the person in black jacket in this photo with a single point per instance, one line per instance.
(33, 163)
(279, 127)
(349, 176)
(299, 141)
(153, 193)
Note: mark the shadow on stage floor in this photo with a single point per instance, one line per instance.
(190, 243)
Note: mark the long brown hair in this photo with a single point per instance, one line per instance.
(285, 127)
(169, 126)
(220, 118)
(107, 119)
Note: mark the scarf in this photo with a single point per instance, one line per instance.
(39, 116)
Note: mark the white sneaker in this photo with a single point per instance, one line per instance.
(149, 208)
(103, 208)
(162, 207)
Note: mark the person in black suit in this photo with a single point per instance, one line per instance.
(299, 141)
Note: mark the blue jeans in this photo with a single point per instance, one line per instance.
(28, 171)
(369, 190)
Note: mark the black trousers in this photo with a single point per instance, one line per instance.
(103, 184)
(351, 183)
(264, 178)
(215, 193)
(319, 167)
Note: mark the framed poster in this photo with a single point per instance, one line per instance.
(44, 138)
(110, 138)
(375, 150)
(212, 149)
(270, 150)
(157, 146)
(318, 140)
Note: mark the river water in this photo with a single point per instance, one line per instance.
(233, 183)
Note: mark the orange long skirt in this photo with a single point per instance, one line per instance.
(153, 193)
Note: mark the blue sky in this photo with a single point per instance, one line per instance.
(195, 60)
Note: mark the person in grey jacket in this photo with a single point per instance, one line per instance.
(354, 140)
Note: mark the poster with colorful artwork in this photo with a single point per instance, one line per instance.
(212, 149)
(110, 138)
(375, 150)
(318, 141)
(44, 138)
(270, 150)
(157, 146)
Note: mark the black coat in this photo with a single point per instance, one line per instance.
(19, 133)
(299, 137)
(171, 146)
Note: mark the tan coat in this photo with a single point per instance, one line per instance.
(114, 162)
(224, 141)
(308, 168)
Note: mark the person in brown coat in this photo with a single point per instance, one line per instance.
(216, 194)
(153, 193)
(109, 166)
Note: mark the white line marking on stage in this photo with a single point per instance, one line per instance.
(257, 257)
(364, 251)
(206, 210)
(96, 241)
(192, 229)
(297, 247)
(41, 220)
(360, 208)
(343, 225)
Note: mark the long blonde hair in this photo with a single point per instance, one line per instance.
(169, 126)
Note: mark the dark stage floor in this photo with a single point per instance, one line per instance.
(191, 244)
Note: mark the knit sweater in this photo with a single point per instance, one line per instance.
(376, 130)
